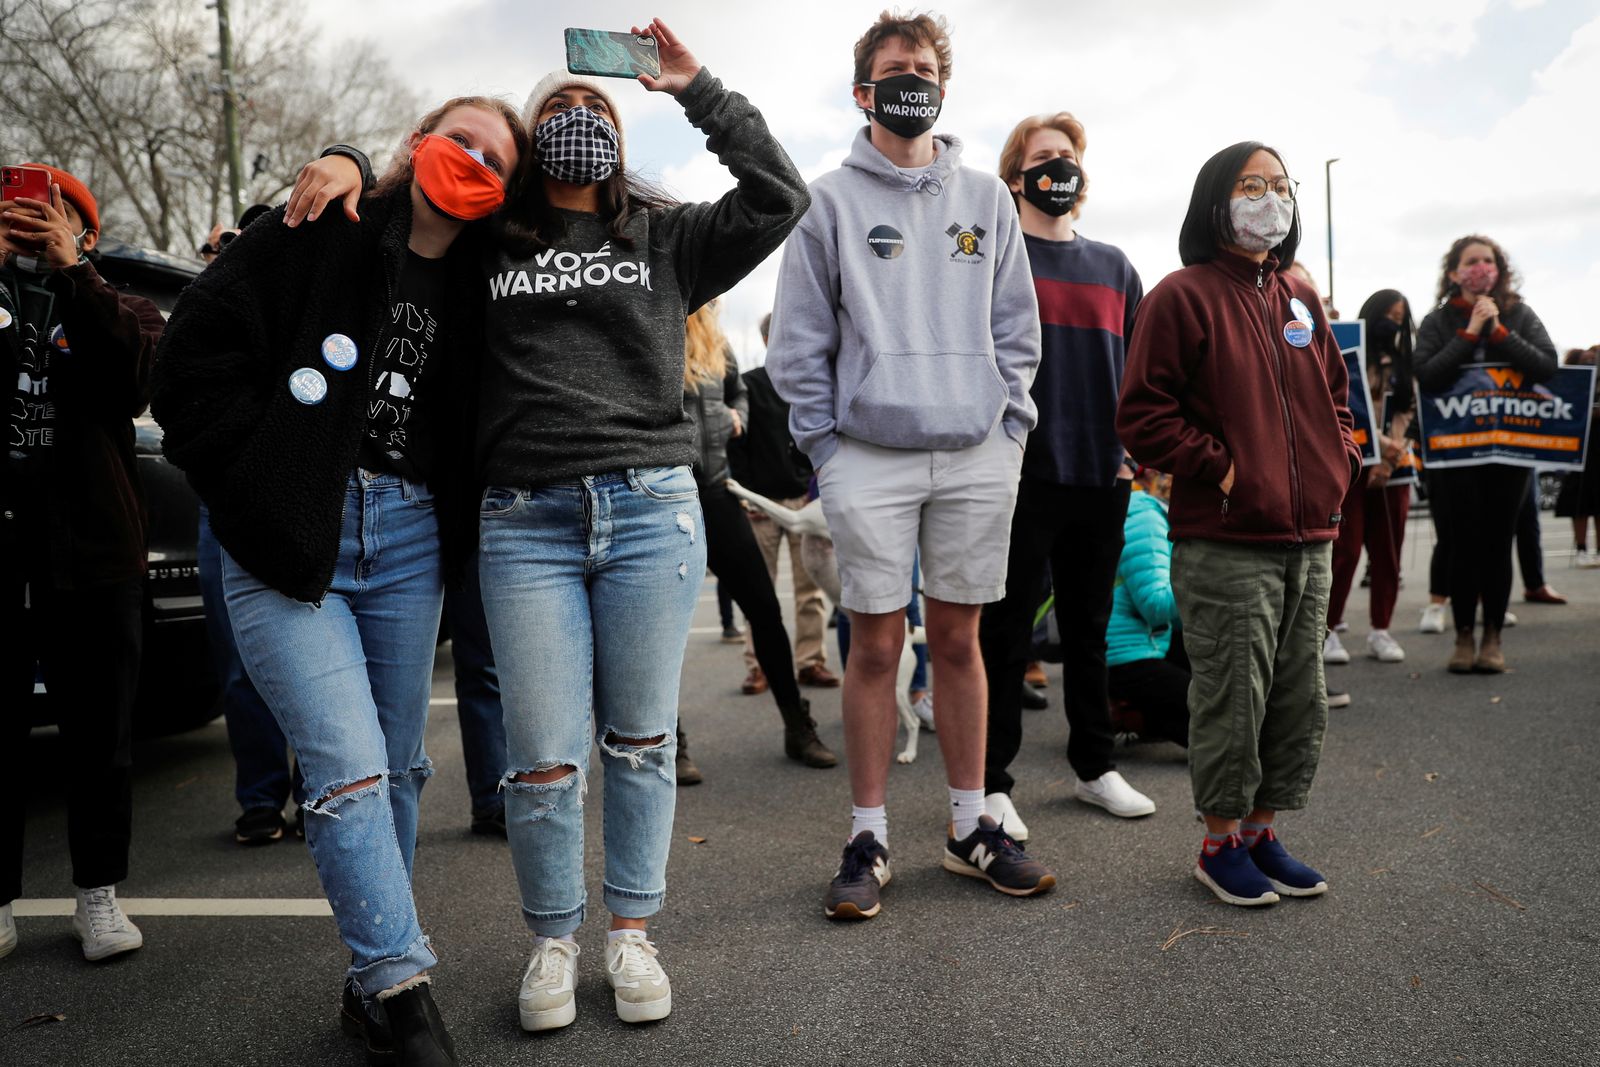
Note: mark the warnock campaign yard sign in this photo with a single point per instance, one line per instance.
(1352, 340)
(1492, 415)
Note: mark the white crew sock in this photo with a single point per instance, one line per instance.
(874, 819)
(965, 807)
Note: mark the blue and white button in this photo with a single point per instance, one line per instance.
(1301, 313)
(338, 351)
(58, 340)
(1297, 334)
(308, 386)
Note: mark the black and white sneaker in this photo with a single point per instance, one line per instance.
(990, 853)
(853, 893)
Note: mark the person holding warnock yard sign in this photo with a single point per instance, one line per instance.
(1481, 320)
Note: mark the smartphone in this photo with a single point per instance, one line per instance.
(611, 55)
(30, 182)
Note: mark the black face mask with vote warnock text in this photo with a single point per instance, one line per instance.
(1053, 186)
(906, 105)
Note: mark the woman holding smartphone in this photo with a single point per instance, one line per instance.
(314, 384)
(1481, 318)
(591, 539)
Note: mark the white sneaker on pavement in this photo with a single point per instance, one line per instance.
(8, 931)
(1584, 558)
(1432, 619)
(546, 1000)
(1112, 792)
(923, 709)
(998, 807)
(1333, 650)
(101, 926)
(1511, 619)
(1382, 647)
(642, 991)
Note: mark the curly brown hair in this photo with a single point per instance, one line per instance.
(916, 30)
(1504, 293)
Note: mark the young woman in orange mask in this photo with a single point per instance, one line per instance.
(316, 386)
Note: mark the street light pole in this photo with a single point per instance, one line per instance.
(230, 114)
(1327, 185)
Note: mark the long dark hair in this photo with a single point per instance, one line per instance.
(1209, 224)
(528, 222)
(1504, 293)
(1377, 307)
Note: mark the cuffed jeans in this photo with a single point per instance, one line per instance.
(348, 681)
(589, 587)
(1254, 619)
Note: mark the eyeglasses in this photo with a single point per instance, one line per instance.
(1255, 187)
(209, 249)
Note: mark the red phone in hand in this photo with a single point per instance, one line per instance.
(29, 182)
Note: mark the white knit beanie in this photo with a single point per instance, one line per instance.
(557, 80)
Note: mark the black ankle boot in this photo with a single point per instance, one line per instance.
(800, 741)
(688, 773)
(416, 1034)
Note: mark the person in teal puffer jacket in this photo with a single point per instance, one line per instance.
(1148, 672)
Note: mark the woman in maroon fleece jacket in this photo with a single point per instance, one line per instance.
(1235, 385)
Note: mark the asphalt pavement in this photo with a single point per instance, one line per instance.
(1455, 819)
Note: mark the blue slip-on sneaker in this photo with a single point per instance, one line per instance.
(1288, 875)
(1226, 870)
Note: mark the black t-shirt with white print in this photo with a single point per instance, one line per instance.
(397, 419)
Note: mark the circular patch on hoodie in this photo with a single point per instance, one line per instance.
(886, 242)
(1297, 333)
(308, 386)
(338, 351)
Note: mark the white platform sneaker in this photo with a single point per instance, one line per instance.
(546, 1000)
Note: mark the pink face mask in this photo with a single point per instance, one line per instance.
(1478, 278)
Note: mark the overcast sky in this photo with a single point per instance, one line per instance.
(1447, 117)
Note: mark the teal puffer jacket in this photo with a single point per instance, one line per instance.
(1143, 610)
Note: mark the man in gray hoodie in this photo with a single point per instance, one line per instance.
(905, 338)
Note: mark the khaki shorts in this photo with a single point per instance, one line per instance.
(883, 504)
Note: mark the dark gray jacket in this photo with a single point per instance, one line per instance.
(708, 408)
(1444, 348)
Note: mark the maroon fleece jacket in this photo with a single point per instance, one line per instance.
(1212, 379)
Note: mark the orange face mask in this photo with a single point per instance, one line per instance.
(455, 183)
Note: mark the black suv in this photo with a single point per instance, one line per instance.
(177, 684)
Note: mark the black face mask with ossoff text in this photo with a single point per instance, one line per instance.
(906, 105)
(1053, 186)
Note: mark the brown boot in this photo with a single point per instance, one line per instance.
(755, 682)
(1490, 659)
(1461, 659)
(800, 740)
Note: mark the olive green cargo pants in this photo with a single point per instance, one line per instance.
(1254, 620)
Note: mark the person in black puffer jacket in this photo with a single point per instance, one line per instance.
(314, 384)
(714, 398)
(1480, 319)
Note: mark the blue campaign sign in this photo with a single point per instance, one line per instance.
(1352, 340)
(1491, 415)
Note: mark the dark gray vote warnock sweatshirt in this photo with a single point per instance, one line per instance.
(583, 372)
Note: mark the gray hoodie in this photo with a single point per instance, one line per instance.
(906, 314)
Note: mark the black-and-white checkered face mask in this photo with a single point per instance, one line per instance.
(576, 146)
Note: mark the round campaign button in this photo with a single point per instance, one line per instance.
(1297, 334)
(58, 339)
(5, 318)
(1301, 313)
(308, 386)
(338, 351)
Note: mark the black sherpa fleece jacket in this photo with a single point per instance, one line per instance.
(271, 469)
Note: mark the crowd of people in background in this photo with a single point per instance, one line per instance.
(489, 387)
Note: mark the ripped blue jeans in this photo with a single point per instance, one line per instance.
(348, 682)
(589, 587)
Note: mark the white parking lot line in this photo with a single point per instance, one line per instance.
(234, 907)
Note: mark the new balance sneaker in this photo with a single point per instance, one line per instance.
(853, 893)
(1432, 619)
(640, 986)
(998, 807)
(1382, 647)
(1226, 870)
(1288, 875)
(990, 853)
(99, 923)
(546, 1000)
(1112, 792)
(1333, 650)
(8, 931)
